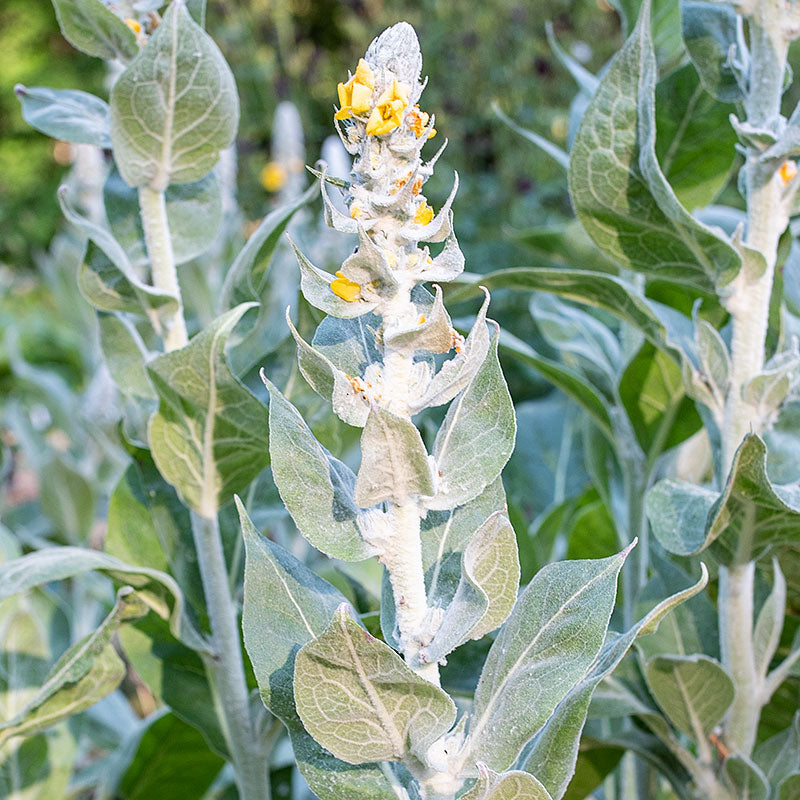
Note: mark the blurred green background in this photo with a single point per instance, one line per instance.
(297, 50)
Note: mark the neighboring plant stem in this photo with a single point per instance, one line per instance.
(749, 308)
(225, 667)
(153, 208)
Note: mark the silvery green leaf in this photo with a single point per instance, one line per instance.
(561, 734)
(562, 618)
(349, 344)
(779, 756)
(194, 216)
(316, 488)
(286, 606)
(758, 137)
(434, 335)
(333, 217)
(768, 390)
(315, 284)
(486, 591)
(397, 50)
(457, 372)
(789, 787)
(438, 229)
(513, 785)
(156, 588)
(711, 37)
(91, 26)
(330, 382)
(85, 674)
(714, 358)
(68, 499)
(693, 691)
(360, 700)
(394, 461)
(67, 114)
(209, 435)
(751, 515)
(448, 265)
(369, 267)
(643, 226)
(476, 438)
(114, 286)
(245, 278)
(744, 779)
(769, 624)
(175, 106)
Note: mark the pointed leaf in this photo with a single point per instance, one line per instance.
(209, 435)
(359, 700)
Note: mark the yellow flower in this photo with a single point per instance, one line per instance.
(134, 25)
(424, 214)
(418, 121)
(788, 171)
(345, 288)
(355, 96)
(388, 112)
(273, 176)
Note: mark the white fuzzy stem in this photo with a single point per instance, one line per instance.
(153, 208)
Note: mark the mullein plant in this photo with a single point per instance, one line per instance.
(365, 709)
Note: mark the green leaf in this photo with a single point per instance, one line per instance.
(194, 216)
(91, 26)
(514, 785)
(394, 461)
(174, 107)
(246, 275)
(779, 756)
(561, 617)
(597, 289)
(40, 768)
(652, 391)
(569, 380)
(486, 591)
(476, 437)
(709, 32)
(157, 589)
(750, 516)
(789, 787)
(687, 119)
(209, 435)
(171, 762)
(68, 500)
(744, 779)
(359, 700)
(693, 691)
(285, 606)
(85, 674)
(67, 114)
(553, 754)
(619, 191)
(767, 632)
(316, 488)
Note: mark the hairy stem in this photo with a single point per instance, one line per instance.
(225, 668)
(153, 209)
(749, 308)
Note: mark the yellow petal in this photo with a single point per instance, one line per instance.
(424, 214)
(342, 88)
(361, 98)
(364, 74)
(345, 288)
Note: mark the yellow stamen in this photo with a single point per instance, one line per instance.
(417, 187)
(356, 212)
(422, 319)
(134, 25)
(788, 171)
(355, 96)
(388, 112)
(424, 214)
(273, 176)
(345, 288)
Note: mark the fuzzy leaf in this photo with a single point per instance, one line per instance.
(618, 189)
(67, 114)
(767, 632)
(174, 107)
(744, 779)
(286, 606)
(91, 26)
(476, 438)
(693, 691)
(85, 674)
(561, 617)
(209, 435)
(359, 700)
(316, 488)
(514, 785)
(394, 461)
(751, 515)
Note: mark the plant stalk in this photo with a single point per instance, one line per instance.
(226, 667)
(749, 307)
(153, 209)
